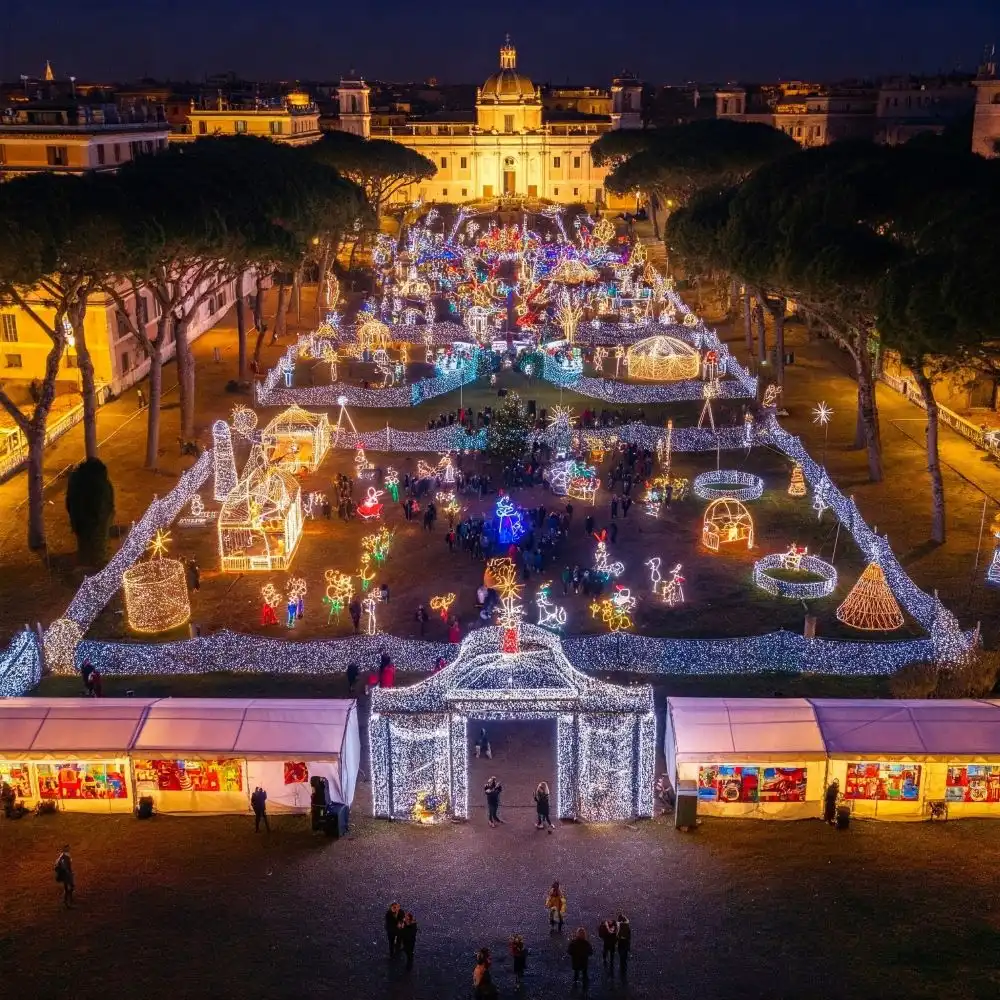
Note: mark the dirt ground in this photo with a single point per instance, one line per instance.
(185, 907)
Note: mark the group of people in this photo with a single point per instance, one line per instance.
(401, 930)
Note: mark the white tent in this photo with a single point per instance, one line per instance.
(892, 758)
(73, 751)
(749, 756)
(208, 754)
(189, 754)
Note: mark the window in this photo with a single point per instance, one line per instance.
(277, 128)
(241, 126)
(58, 155)
(118, 152)
(576, 162)
(12, 361)
(123, 324)
(3, 154)
(202, 128)
(576, 190)
(72, 361)
(157, 310)
(508, 123)
(556, 162)
(444, 162)
(555, 191)
(100, 154)
(142, 310)
(465, 192)
(126, 360)
(8, 328)
(444, 192)
(463, 162)
(798, 132)
(354, 104)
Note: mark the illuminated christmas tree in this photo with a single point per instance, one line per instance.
(797, 487)
(871, 606)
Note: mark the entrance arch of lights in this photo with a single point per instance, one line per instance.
(605, 734)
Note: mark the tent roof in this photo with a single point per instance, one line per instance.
(248, 727)
(909, 728)
(707, 729)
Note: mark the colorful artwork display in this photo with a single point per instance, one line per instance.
(189, 775)
(18, 776)
(81, 780)
(296, 772)
(730, 784)
(882, 782)
(973, 783)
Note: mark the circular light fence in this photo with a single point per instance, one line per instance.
(728, 484)
(804, 590)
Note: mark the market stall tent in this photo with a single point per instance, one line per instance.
(894, 759)
(72, 751)
(187, 754)
(758, 757)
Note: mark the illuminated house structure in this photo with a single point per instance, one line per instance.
(297, 439)
(508, 148)
(605, 734)
(260, 523)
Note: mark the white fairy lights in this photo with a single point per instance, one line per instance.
(155, 591)
(731, 484)
(224, 462)
(795, 560)
(726, 521)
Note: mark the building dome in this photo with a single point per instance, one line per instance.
(508, 86)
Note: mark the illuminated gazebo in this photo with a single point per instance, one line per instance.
(260, 523)
(726, 521)
(605, 734)
(297, 439)
(662, 359)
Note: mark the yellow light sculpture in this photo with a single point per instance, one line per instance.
(616, 610)
(604, 231)
(871, 605)
(155, 591)
(61, 639)
(568, 317)
(441, 604)
(662, 359)
(260, 523)
(797, 486)
(726, 521)
(366, 573)
(637, 258)
(372, 335)
(339, 591)
(297, 439)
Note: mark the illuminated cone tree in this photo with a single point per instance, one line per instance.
(797, 487)
(871, 606)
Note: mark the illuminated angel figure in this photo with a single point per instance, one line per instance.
(549, 615)
(371, 507)
(771, 394)
(366, 573)
(368, 606)
(392, 482)
(339, 591)
(656, 578)
(673, 592)
(442, 603)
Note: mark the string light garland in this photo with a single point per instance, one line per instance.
(339, 591)
(550, 615)
(243, 421)
(197, 516)
(616, 610)
(223, 459)
(673, 589)
(726, 521)
(870, 606)
(155, 591)
(797, 560)
(728, 484)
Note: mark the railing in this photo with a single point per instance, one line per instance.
(988, 440)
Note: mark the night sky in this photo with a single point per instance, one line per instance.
(663, 41)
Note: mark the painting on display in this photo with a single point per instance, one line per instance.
(973, 783)
(729, 784)
(296, 772)
(189, 775)
(81, 780)
(18, 776)
(882, 782)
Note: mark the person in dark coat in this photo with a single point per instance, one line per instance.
(408, 938)
(355, 610)
(542, 806)
(580, 950)
(258, 802)
(608, 933)
(624, 943)
(353, 670)
(393, 921)
(64, 875)
(493, 788)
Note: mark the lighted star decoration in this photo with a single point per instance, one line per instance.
(821, 414)
(159, 543)
(561, 416)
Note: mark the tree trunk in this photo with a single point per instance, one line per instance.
(758, 317)
(734, 297)
(654, 217)
(36, 483)
(88, 390)
(868, 412)
(153, 413)
(241, 333)
(933, 461)
(185, 378)
(280, 313)
(324, 268)
(777, 310)
(747, 321)
(258, 304)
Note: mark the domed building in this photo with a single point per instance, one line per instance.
(508, 148)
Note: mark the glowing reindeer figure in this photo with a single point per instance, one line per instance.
(550, 615)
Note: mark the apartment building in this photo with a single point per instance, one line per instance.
(291, 119)
(986, 123)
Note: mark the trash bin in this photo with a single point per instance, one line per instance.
(843, 817)
(686, 807)
(337, 820)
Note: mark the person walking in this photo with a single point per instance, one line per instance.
(519, 954)
(608, 933)
(353, 672)
(614, 507)
(482, 981)
(493, 788)
(64, 875)
(355, 611)
(624, 943)
(258, 802)
(567, 576)
(483, 745)
(542, 806)
(408, 938)
(555, 903)
(580, 950)
(393, 923)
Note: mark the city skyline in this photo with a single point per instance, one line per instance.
(723, 43)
